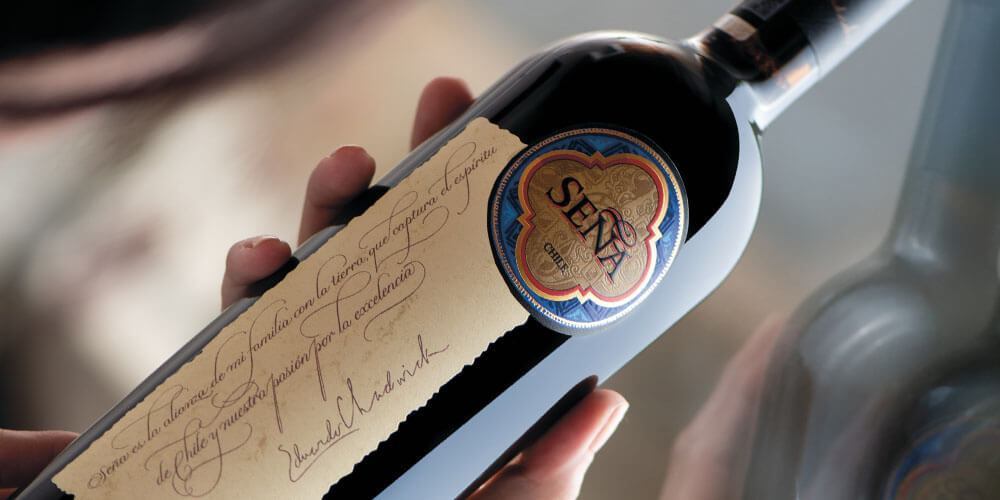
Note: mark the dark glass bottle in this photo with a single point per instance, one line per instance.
(885, 370)
(701, 103)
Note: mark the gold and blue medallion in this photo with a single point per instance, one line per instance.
(584, 225)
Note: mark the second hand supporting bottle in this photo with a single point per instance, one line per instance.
(686, 116)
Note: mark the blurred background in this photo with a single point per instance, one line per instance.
(139, 146)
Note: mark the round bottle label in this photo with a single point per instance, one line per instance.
(958, 460)
(585, 224)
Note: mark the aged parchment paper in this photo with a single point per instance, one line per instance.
(296, 391)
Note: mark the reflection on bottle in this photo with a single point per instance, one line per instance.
(885, 383)
(952, 441)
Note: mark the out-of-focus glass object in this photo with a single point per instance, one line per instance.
(886, 383)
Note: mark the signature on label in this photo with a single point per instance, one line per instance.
(274, 381)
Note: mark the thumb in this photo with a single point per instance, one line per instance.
(554, 466)
(23, 454)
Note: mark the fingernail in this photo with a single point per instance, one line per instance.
(255, 242)
(609, 427)
(349, 147)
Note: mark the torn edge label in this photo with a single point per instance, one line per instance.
(291, 395)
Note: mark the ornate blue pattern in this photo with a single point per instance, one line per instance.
(570, 315)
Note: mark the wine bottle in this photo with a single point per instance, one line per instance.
(884, 382)
(637, 156)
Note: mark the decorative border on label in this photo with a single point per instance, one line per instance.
(581, 308)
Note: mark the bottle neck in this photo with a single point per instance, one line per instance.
(950, 207)
(949, 222)
(783, 47)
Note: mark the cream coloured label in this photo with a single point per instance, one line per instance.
(298, 389)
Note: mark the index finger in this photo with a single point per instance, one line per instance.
(443, 99)
(335, 181)
(342, 176)
(23, 454)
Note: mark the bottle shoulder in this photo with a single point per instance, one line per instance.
(656, 90)
(650, 55)
(885, 311)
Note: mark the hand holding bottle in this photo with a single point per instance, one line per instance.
(24, 453)
(551, 468)
(709, 457)
(554, 466)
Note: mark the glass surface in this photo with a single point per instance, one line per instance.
(881, 385)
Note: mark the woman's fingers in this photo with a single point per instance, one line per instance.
(249, 261)
(342, 176)
(710, 455)
(23, 454)
(335, 181)
(443, 100)
(333, 184)
(553, 467)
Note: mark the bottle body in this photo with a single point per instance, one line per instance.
(659, 92)
(853, 362)
(946, 447)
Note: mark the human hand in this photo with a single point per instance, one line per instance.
(23, 454)
(709, 457)
(551, 468)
